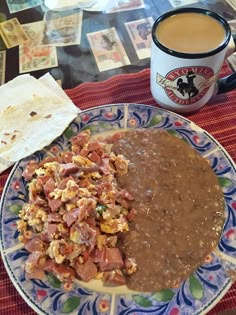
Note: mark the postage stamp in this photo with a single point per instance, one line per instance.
(2, 44)
(32, 55)
(2, 66)
(37, 58)
(232, 61)
(62, 28)
(232, 25)
(34, 32)
(20, 5)
(12, 33)
(107, 49)
(140, 35)
(125, 5)
(232, 3)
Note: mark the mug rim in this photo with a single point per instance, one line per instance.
(178, 54)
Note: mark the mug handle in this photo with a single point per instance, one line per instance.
(228, 83)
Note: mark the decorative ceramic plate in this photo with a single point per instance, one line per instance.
(197, 295)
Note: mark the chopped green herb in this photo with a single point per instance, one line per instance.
(100, 209)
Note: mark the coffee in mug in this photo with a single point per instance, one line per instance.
(179, 33)
(189, 46)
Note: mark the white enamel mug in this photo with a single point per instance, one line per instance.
(184, 82)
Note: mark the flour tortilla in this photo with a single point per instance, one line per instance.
(32, 115)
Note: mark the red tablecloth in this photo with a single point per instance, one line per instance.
(218, 118)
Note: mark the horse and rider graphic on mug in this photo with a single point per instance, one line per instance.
(187, 85)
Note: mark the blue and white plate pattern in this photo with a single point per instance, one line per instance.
(197, 295)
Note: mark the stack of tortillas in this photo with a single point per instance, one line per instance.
(33, 112)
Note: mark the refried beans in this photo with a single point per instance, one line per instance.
(179, 204)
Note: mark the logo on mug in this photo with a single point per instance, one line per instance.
(187, 85)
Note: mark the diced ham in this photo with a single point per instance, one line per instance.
(76, 149)
(38, 200)
(34, 257)
(123, 202)
(85, 255)
(34, 245)
(103, 187)
(100, 152)
(74, 200)
(93, 146)
(105, 167)
(67, 248)
(49, 186)
(49, 233)
(87, 235)
(51, 230)
(44, 236)
(86, 271)
(86, 207)
(30, 170)
(42, 179)
(98, 255)
(67, 156)
(68, 168)
(64, 181)
(83, 234)
(91, 222)
(106, 186)
(112, 260)
(117, 136)
(112, 240)
(82, 213)
(114, 277)
(89, 169)
(113, 138)
(81, 139)
(54, 217)
(54, 204)
(84, 152)
(32, 261)
(123, 198)
(131, 215)
(71, 216)
(94, 157)
(50, 159)
(62, 272)
(125, 194)
(35, 274)
(84, 183)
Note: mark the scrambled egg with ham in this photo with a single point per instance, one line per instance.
(75, 212)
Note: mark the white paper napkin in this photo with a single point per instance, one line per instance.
(33, 112)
